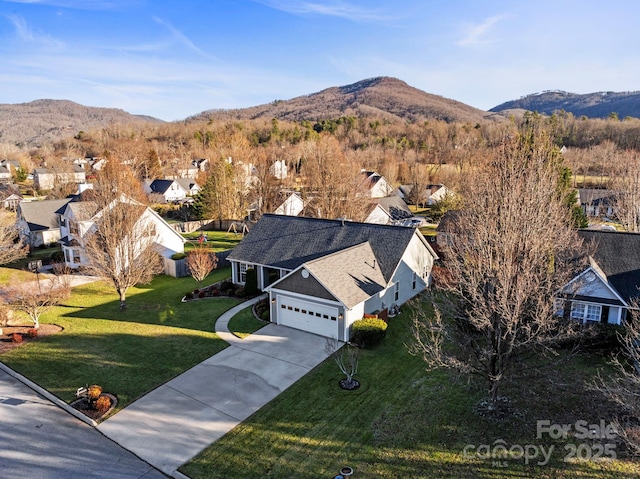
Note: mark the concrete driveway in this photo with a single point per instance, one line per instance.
(173, 423)
(38, 440)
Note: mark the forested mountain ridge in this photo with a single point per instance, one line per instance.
(591, 105)
(45, 121)
(380, 97)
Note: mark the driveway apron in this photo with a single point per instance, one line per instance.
(173, 423)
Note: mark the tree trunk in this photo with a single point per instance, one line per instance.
(123, 304)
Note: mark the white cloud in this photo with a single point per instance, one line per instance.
(28, 35)
(331, 8)
(477, 34)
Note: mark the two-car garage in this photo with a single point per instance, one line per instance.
(309, 316)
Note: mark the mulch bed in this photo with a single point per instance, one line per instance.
(7, 344)
(83, 406)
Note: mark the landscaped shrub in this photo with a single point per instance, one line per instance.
(265, 315)
(102, 403)
(201, 294)
(16, 338)
(226, 286)
(215, 292)
(195, 292)
(241, 292)
(368, 332)
(57, 257)
(177, 256)
(251, 282)
(32, 332)
(93, 392)
(188, 296)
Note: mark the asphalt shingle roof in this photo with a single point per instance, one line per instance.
(290, 241)
(618, 256)
(42, 215)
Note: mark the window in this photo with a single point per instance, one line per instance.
(396, 291)
(586, 312)
(413, 280)
(243, 272)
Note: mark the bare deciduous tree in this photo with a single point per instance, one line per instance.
(10, 249)
(121, 246)
(346, 358)
(627, 187)
(201, 261)
(36, 300)
(509, 251)
(624, 388)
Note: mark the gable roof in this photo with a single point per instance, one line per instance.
(587, 196)
(161, 186)
(186, 183)
(395, 207)
(289, 241)
(42, 215)
(617, 255)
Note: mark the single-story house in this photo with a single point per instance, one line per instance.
(189, 185)
(10, 196)
(291, 206)
(168, 190)
(322, 275)
(608, 287)
(46, 179)
(78, 218)
(388, 210)
(376, 185)
(596, 201)
(39, 221)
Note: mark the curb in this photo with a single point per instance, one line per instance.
(178, 475)
(46, 394)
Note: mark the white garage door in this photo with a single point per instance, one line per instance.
(308, 316)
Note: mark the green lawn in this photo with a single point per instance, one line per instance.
(127, 352)
(216, 240)
(244, 323)
(405, 422)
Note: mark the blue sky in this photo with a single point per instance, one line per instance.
(172, 59)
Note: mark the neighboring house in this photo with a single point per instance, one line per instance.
(78, 218)
(10, 197)
(389, 210)
(597, 202)
(322, 275)
(189, 185)
(376, 185)
(45, 179)
(168, 190)
(279, 169)
(292, 206)
(200, 164)
(39, 221)
(5, 175)
(432, 193)
(605, 290)
(11, 165)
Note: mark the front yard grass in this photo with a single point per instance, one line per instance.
(244, 323)
(406, 422)
(127, 352)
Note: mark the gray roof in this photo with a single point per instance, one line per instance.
(588, 196)
(395, 207)
(618, 257)
(290, 241)
(186, 183)
(83, 210)
(160, 186)
(42, 215)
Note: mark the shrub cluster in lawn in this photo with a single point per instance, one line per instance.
(102, 403)
(367, 332)
(262, 309)
(225, 288)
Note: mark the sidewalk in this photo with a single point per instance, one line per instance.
(173, 423)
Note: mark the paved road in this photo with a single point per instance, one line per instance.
(38, 440)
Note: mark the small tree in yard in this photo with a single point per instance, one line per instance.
(201, 261)
(511, 249)
(624, 388)
(34, 301)
(347, 360)
(10, 249)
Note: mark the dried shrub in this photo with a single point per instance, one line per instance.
(16, 338)
(102, 403)
(32, 332)
(93, 392)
